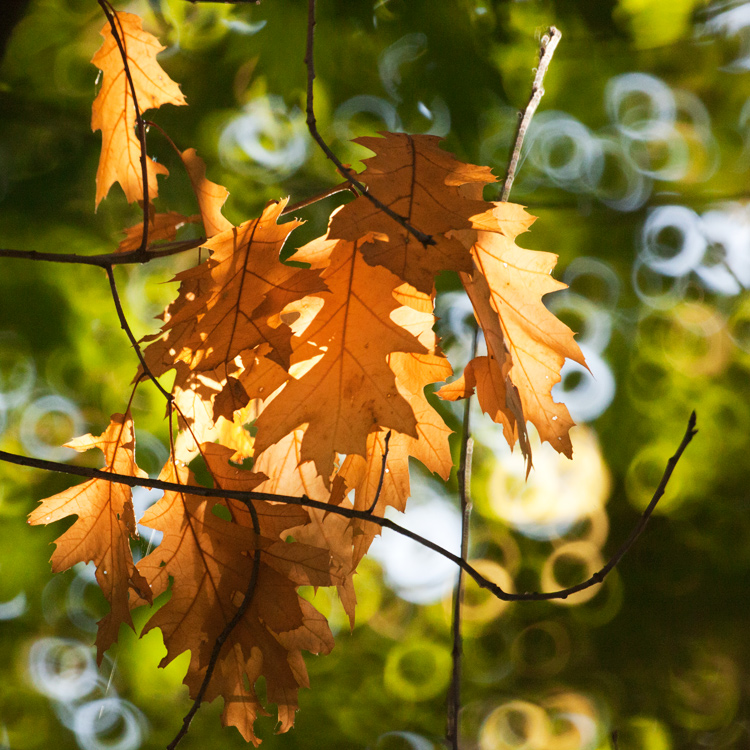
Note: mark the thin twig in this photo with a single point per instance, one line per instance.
(549, 42)
(114, 22)
(464, 491)
(126, 327)
(107, 260)
(312, 126)
(382, 474)
(344, 187)
(363, 515)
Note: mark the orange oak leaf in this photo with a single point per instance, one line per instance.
(350, 391)
(114, 111)
(243, 287)
(160, 227)
(430, 447)
(422, 183)
(211, 196)
(526, 344)
(104, 527)
(198, 422)
(213, 566)
(288, 475)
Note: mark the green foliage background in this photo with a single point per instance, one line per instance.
(660, 653)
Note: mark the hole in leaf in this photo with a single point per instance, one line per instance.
(221, 511)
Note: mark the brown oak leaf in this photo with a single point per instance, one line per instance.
(212, 563)
(244, 287)
(160, 227)
(211, 196)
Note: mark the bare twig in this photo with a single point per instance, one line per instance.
(549, 42)
(125, 327)
(312, 126)
(119, 35)
(319, 197)
(382, 474)
(363, 515)
(107, 260)
(464, 491)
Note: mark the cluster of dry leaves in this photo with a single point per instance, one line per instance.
(329, 362)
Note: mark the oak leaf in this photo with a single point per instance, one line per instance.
(430, 447)
(350, 391)
(421, 182)
(289, 475)
(526, 344)
(160, 227)
(243, 288)
(104, 527)
(214, 564)
(210, 195)
(114, 113)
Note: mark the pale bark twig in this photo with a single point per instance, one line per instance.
(549, 42)
(464, 492)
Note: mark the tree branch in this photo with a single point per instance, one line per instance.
(312, 126)
(106, 260)
(363, 515)
(125, 327)
(549, 42)
(464, 491)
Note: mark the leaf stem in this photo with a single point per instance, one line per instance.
(225, 633)
(382, 474)
(549, 43)
(344, 187)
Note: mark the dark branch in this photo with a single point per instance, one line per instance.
(319, 197)
(125, 327)
(312, 126)
(549, 42)
(107, 260)
(363, 515)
